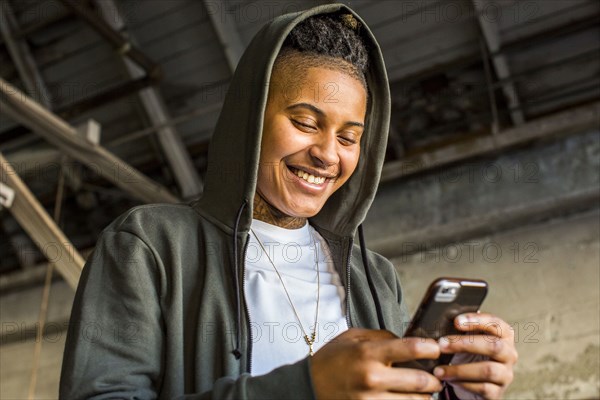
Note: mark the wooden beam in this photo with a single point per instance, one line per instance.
(42, 229)
(179, 160)
(491, 35)
(466, 228)
(226, 30)
(22, 57)
(121, 43)
(22, 108)
(564, 123)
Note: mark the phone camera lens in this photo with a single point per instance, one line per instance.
(449, 290)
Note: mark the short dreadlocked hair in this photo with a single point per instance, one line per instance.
(330, 41)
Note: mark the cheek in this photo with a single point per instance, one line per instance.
(350, 162)
(273, 144)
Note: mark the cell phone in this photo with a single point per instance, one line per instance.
(445, 299)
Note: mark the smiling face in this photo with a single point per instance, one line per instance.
(311, 138)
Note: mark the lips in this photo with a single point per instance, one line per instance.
(314, 178)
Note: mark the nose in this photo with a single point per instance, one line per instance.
(324, 150)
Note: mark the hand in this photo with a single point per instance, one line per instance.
(488, 336)
(358, 364)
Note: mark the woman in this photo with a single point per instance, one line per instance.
(239, 294)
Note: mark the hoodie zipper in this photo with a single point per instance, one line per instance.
(246, 310)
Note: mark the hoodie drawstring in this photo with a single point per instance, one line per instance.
(238, 301)
(363, 253)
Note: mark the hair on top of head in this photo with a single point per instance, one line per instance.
(350, 21)
(324, 41)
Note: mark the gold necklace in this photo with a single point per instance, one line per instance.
(309, 340)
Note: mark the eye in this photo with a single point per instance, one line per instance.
(304, 124)
(348, 138)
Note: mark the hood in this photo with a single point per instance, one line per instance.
(235, 146)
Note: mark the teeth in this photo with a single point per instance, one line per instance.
(310, 178)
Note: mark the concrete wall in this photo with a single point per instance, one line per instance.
(19, 311)
(484, 196)
(15, 369)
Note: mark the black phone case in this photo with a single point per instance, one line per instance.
(435, 319)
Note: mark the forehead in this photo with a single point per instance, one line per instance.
(334, 91)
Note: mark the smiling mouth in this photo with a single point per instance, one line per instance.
(310, 178)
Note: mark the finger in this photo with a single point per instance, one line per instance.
(485, 371)
(361, 334)
(486, 345)
(405, 380)
(403, 349)
(484, 323)
(365, 335)
(486, 390)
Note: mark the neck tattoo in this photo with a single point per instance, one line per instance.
(265, 212)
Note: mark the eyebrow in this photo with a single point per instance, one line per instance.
(320, 112)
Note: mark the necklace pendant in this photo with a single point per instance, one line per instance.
(310, 342)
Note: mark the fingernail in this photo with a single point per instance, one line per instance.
(438, 372)
(462, 319)
(444, 342)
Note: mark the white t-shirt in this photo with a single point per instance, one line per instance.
(277, 338)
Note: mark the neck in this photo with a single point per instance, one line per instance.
(265, 212)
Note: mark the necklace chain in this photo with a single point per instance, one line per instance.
(310, 340)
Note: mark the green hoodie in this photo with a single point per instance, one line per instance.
(159, 311)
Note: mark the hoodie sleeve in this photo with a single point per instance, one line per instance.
(114, 344)
(287, 382)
